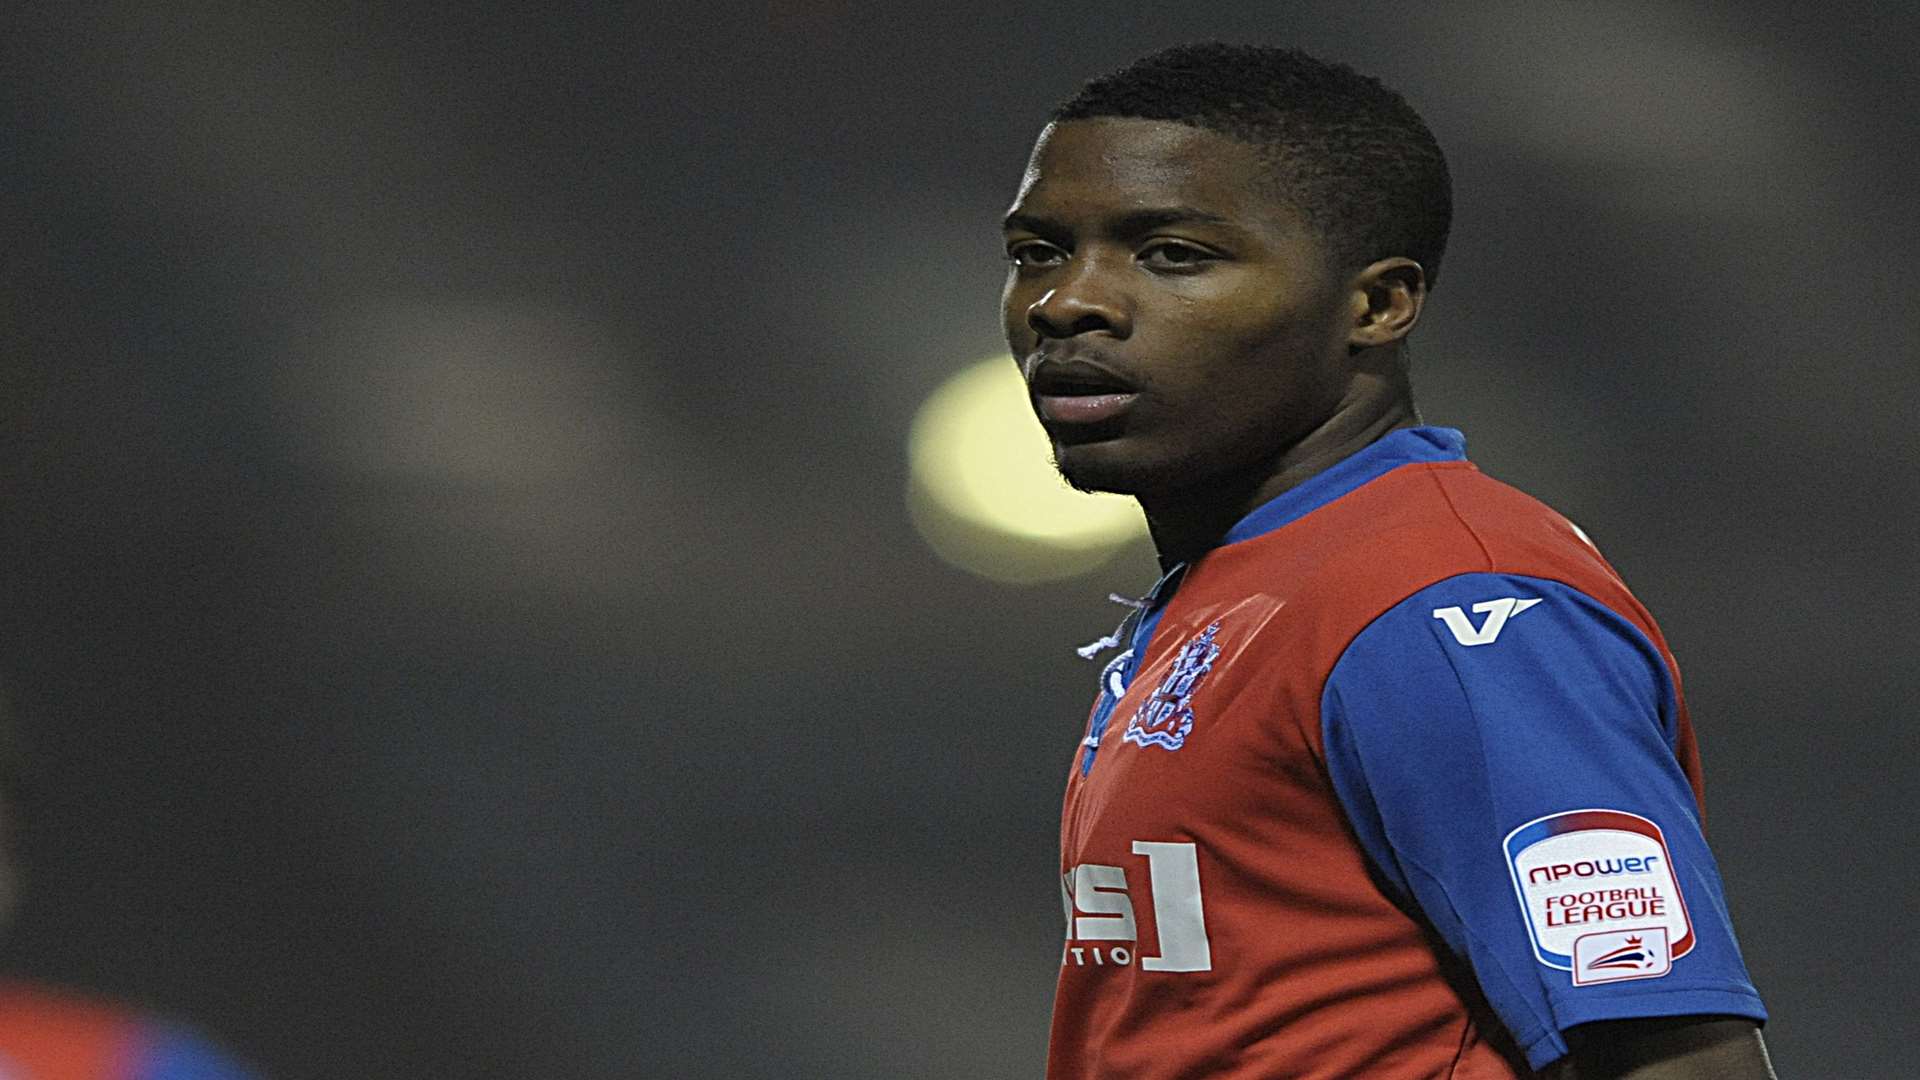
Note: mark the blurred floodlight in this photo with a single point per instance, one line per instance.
(984, 492)
(489, 445)
(481, 394)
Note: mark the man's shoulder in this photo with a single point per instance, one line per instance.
(1509, 522)
(1449, 518)
(1419, 525)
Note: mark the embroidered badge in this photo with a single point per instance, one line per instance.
(1166, 717)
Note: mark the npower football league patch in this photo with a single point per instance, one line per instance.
(1600, 895)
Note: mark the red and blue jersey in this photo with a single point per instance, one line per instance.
(1398, 781)
(46, 1035)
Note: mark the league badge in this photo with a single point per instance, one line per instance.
(1621, 954)
(1166, 717)
(1600, 895)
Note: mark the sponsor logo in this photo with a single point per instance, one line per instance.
(1621, 954)
(1166, 717)
(1497, 613)
(1603, 875)
(1101, 929)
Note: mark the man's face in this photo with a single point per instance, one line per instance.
(1175, 321)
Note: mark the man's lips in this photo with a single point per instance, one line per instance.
(1078, 391)
(1083, 408)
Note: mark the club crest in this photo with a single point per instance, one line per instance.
(1166, 717)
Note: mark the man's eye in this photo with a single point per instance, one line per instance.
(1169, 255)
(1034, 253)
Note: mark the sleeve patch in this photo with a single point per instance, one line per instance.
(1600, 895)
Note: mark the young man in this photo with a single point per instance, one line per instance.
(1392, 777)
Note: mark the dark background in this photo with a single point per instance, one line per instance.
(456, 595)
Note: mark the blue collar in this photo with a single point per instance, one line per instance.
(1406, 446)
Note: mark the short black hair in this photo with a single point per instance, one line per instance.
(1349, 154)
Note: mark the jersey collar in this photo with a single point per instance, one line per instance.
(1407, 446)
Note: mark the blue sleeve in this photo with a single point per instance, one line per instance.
(1504, 747)
(173, 1053)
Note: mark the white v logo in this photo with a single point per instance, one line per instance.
(1497, 612)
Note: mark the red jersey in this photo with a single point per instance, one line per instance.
(1326, 842)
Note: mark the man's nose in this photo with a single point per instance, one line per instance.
(1085, 300)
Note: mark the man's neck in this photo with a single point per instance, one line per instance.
(1186, 524)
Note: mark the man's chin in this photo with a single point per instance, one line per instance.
(1096, 485)
(1086, 469)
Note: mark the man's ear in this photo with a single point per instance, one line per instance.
(1387, 298)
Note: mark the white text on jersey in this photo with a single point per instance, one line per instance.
(1099, 908)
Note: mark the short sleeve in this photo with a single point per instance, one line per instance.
(1504, 748)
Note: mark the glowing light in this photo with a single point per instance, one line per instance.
(984, 492)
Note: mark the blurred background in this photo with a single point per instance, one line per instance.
(460, 600)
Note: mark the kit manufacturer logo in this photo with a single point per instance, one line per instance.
(1497, 613)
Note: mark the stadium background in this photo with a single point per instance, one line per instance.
(456, 596)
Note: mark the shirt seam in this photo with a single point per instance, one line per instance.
(1454, 508)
